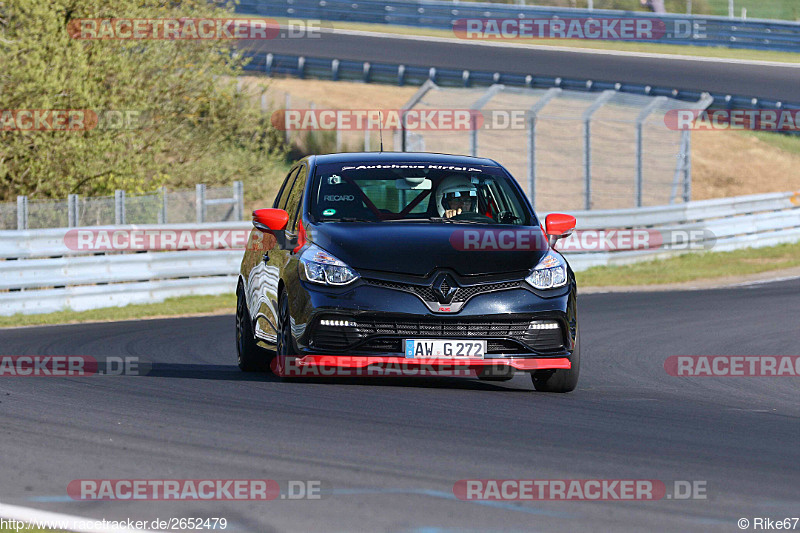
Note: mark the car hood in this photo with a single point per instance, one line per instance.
(420, 248)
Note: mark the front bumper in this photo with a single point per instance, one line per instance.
(373, 366)
(383, 317)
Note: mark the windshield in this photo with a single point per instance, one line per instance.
(415, 192)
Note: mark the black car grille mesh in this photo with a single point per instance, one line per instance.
(385, 335)
(427, 294)
(439, 327)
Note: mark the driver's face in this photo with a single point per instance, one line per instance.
(463, 203)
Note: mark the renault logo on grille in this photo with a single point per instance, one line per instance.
(444, 287)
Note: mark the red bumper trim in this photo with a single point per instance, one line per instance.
(350, 361)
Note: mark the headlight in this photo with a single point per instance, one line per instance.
(321, 267)
(550, 273)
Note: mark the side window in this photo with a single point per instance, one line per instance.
(280, 200)
(295, 198)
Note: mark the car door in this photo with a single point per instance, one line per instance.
(284, 256)
(263, 272)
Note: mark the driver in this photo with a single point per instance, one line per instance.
(456, 195)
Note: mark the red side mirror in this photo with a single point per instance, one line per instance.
(270, 219)
(559, 225)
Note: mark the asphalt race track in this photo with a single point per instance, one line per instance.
(760, 80)
(389, 451)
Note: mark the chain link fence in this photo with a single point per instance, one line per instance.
(568, 149)
(204, 204)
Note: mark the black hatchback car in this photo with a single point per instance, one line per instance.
(410, 262)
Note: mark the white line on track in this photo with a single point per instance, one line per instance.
(567, 49)
(27, 514)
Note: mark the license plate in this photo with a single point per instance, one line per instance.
(444, 349)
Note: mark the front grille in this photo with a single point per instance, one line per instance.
(493, 347)
(462, 294)
(465, 293)
(544, 340)
(379, 335)
(430, 326)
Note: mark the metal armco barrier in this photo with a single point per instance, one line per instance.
(41, 273)
(720, 225)
(696, 30)
(46, 275)
(398, 74)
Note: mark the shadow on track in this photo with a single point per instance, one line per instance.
(232, 373)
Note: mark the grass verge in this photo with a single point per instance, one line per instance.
(694, 267)
(172, 307)
(622, 46)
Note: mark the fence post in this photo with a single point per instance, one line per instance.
(474, 110)
(268, 64)
(286, 106)
(473, 137)
(640, 145)
(687, 169)
(162, 214)
(238, 196)
(72, 210)
(119, 207)
(200, 202)
(22, 212)
(533, 113)
(587, 146)
(532, 160)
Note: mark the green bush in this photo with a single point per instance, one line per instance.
(198, 127)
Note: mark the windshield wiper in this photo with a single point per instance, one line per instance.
(349, 219)
(460, 221)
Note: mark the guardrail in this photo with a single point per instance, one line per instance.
(718, 225)
(399, 74)
(42, 273)
(703, 31)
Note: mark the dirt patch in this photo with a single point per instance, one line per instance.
(334, 94)
(726, 163)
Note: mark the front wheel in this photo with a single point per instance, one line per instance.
(285, 350)
(561, 380)
(250, 356)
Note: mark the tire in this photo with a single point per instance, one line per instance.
(250, 356)
(561, 380)
(285, 350)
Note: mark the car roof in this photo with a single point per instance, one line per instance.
(427, 157)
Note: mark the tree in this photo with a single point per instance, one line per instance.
(185, 115)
